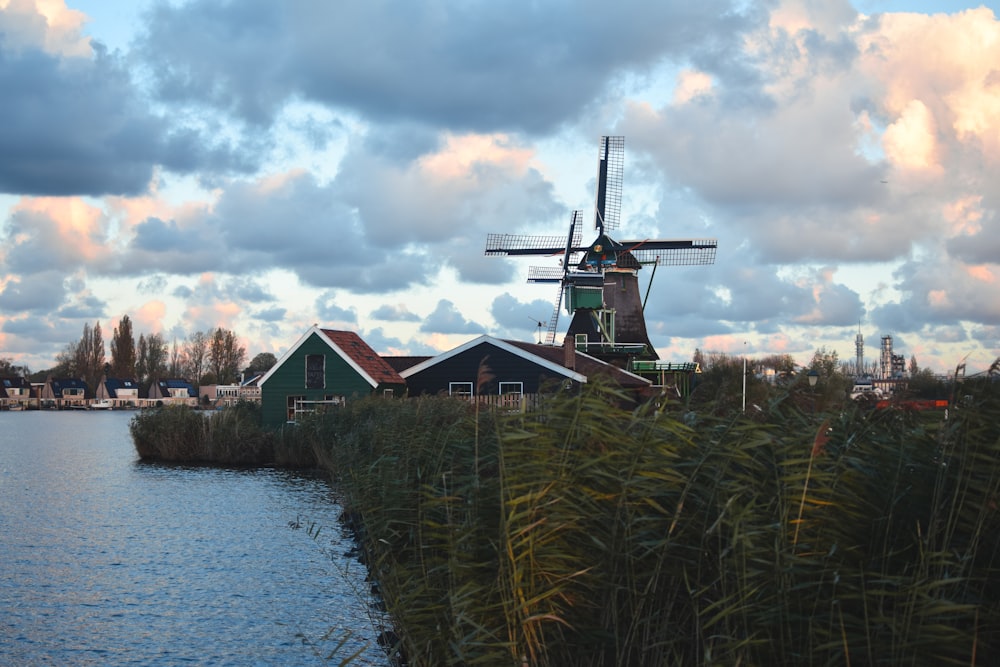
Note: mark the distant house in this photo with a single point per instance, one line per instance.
(63, 393)
(174, 392)
(325, 367)
(247, 389)
(15, 393)
(122, 393)
(508, 373)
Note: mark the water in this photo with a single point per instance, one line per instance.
(106, 560)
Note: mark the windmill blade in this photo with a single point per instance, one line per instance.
(673, 252)
(575, 223)
(545, 274)
(610, 168)
(526, 244)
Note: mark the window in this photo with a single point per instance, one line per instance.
(511, 394)
(460, 389)
(293, 406)
(388, 393)
(315, 371)
(511, 388)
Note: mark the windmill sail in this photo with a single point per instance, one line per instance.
(598, 281)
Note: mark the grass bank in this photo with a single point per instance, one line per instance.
(222, 437)
(588, 535)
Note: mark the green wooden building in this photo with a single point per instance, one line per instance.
(324, 368)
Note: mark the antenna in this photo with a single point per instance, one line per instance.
(539, 324)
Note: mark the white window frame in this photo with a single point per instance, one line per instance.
(508, 388)
(460, 389)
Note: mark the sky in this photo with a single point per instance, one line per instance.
(265, 166)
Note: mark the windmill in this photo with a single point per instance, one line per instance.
(599, 281)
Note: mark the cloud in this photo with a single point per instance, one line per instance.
(447, 319)
(271, 314)
(471, 75)
(333, 315)
(73, 122)
(41, 293)
(394, 313)
(513, 315)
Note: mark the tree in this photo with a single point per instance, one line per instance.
(151, 359)
(825, 363)
(262, 363)
(141, 371)
(195, 353)
(88, 357)
(176, 360)
(914, 369)
(123, 350)
(9, 369)
(225, 356)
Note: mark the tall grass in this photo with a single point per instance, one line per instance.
(227, 437)
(584, 534)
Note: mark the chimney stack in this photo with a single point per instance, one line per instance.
(569, 352)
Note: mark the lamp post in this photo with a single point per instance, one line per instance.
(813, 379)
(744, 376)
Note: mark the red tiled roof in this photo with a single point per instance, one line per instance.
(364, 356)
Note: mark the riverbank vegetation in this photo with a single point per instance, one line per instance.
(233, 436)
(588, 535)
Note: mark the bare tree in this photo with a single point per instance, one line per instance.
(176, 367)
(151, 358)
(196, 352)
(9, 369)
(225, 355)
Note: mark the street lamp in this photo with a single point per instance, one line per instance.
(813, 379)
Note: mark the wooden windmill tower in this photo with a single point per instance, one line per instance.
(599, 281)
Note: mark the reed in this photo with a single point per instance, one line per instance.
(587, 534)
(226, 437)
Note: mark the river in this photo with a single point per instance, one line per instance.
(107, 560)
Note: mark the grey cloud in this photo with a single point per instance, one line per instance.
(79, 126)
(476, 66)
(155, 284)
(246, 289)
(514, 315)
(330, 313)
(425, 209)
(162, 236)
(394, 313)
(447, 319)
(42, 331)
(271, 314)
(35, 245)
(41, 293)
(380, 341)
(84, 307)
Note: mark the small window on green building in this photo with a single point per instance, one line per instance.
(315, 371)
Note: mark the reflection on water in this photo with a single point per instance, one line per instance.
(110, 561)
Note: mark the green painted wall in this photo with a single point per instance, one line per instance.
(290, 380)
